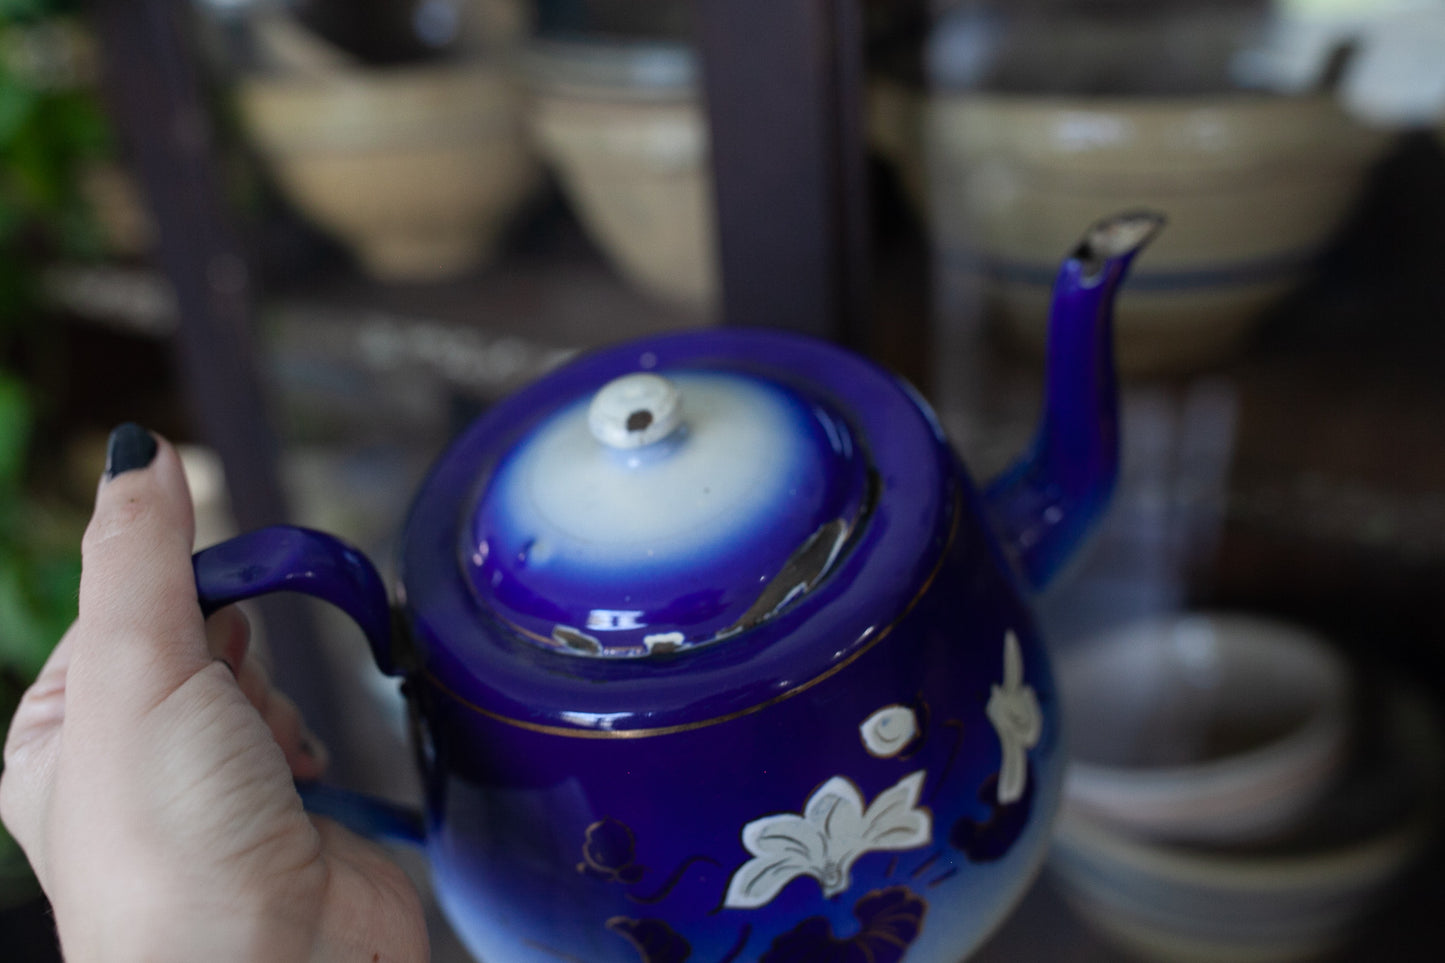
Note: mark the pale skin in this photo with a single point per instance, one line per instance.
(149, 773)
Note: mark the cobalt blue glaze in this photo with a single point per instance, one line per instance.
(634, 591)
(507, 675)
(870, 773)
(515, 797)
(1046, 503)
(284, 558)
(373, 818)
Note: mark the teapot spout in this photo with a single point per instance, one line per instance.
(1046, 503)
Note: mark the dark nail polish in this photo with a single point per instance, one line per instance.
(130, 447)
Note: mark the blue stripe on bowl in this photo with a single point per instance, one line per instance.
(1283, 267)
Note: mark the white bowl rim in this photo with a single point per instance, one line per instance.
(1358, 863)
(1367, 859)
(1321, 731)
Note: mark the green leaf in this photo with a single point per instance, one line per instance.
(21, 10)
(37, 604)
(18, 104)
(12, 217)
(54, 586)
(17, 293)
(9, 849)
(15, 423)
(80, 123)
(23, 644)
(37, 167)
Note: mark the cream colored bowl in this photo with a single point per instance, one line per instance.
(627, 137)
(1219, 728)
(1253, 186)
(1292, 899)
(418, 169)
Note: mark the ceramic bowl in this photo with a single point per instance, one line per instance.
(1204, 728)
(418, 169)
(1292, 899)
(1254, 187)
(623, 127)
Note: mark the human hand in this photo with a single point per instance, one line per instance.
(149, 771)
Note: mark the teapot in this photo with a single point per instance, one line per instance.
(715, 653)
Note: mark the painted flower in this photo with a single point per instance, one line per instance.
(992, 838)
(833, 831)
(608, 853)
(889, 731)
(889, 921)
(654, 940)
(1014, 711)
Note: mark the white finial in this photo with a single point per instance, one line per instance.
(635, 410)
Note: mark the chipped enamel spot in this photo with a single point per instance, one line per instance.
(576, 640)
(711, 528)
(664, 642)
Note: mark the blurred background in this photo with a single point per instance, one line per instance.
(311, 239)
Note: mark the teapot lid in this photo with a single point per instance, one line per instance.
(667, 508)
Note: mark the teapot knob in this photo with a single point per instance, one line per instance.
(635, 410)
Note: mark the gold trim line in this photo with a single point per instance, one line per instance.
(569, 732)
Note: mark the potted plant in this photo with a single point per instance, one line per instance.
(51, 130)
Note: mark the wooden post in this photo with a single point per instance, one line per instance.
(157, 100)
(783, 83)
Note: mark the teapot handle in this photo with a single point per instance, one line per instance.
(285, 558)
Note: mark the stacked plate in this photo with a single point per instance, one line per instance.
(1236, 793)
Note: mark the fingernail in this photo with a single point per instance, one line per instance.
(311, 746)
(227, 663)
(130, 447)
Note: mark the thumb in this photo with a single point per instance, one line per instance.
(140, 629)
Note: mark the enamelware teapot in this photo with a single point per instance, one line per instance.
(717, 654)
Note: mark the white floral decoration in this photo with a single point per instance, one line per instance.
(824, 842)
(1014, 711)
(889, 730)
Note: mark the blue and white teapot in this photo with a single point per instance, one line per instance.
(717, 654)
